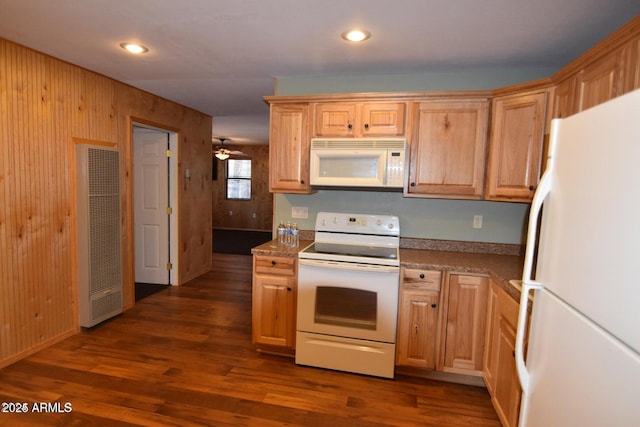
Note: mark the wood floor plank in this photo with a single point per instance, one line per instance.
(183, 357)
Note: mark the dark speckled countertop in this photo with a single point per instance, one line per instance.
(501, 268)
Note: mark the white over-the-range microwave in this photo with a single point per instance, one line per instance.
(358, 162)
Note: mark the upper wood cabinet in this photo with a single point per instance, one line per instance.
(515, 151)
(346, 119)
(289, 148)
(448, 148)
(632, 66)
(565, 101)
(601, 80)
(609, 69)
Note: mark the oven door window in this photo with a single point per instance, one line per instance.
(353, 308)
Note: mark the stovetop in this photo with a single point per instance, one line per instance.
(352, 250)
(354, 237)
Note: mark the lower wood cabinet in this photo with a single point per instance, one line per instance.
(463, 329)
(418, 318)
(274, 301)
(499, 371)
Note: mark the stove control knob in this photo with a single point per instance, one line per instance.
(379, 223)
(335, 219)
(390, 226)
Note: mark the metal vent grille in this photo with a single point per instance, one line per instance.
(104, 220)
(105, 306)
(363, 144)
(99, 233)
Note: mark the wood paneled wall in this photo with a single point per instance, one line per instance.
(261, 203)
(46, 106)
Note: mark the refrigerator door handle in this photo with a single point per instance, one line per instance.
(528, 284)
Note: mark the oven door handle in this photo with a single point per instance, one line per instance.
(349, 266)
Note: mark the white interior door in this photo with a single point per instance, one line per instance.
(151, 200)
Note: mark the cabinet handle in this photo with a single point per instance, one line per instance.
(532, 188)
(350, 126)
(273, 262)
(302, 181)
(366, 126)
(434, 305)
(415, 326)
(288, 289)
(413, 184)
(422, 275)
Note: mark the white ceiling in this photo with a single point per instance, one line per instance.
(221, 56)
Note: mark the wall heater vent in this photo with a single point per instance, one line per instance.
(99, 234)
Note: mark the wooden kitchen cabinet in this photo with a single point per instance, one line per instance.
(418, 318)
(463, 331)
(499, 370)
(516, 148)
(632, 66)
(289, 144)
(448, 149)
(346, 119)
(601, 80)
(274, 301)
(565, 101)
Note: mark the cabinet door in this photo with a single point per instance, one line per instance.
(417, 329)
(515, 154)
(499, 363)
(273, 310)
(632, 66)
(289, 149)
(335, 119)
(507, 392)
(342, 119)
(600, 81)
(448, 149)
(565, 101)
(465, 325)
(383, 118)
(490, 363)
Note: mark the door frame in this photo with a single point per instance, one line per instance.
(174, 218)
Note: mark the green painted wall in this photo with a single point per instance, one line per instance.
(420, 218)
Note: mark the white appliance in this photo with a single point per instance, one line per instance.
(582, 366)
(358, 162)
(99, 254)
(348, 283)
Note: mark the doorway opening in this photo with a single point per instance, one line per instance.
(156, 211)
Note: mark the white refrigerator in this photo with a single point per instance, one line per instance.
(582, 361)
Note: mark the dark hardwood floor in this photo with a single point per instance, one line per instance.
(183, 357)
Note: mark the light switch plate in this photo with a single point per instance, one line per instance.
(299, 212)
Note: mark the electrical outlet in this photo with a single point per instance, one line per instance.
(477, 221)
(299, 212)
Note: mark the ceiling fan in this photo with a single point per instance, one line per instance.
(223, 153)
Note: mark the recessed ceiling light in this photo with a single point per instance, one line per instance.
(356, 35)
(134, 48)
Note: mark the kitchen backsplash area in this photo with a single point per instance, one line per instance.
(433, 220)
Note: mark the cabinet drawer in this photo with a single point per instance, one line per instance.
(284, 266)
(425, 280)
